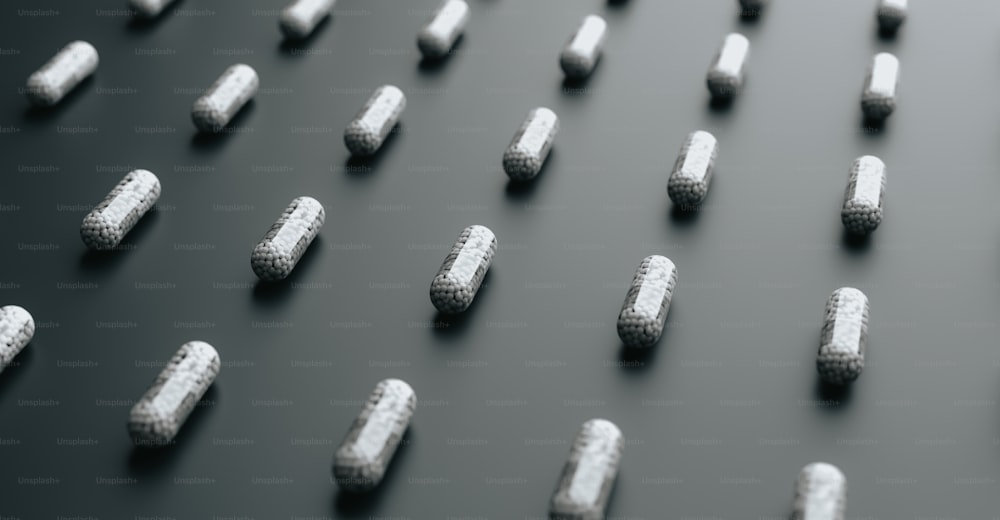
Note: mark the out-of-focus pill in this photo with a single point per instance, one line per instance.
(863, 199)
(752, 7)
(820, 493)
(108, 223)
(725, 76)
(216, 108)
(589, 473)
(299, 18)
(692, 174)
(16, 329)
(878, 99)
(149, 8)
(71, 65)
(844, 338)
(531, 145)
(159, 414)
(644, 313)
(891, 14)
(437, 38)
(366, 133)
(583, 50)
(283, 245)
(463, 270)
(362, 458)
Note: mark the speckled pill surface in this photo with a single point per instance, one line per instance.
(890, 14)
(220, 103)
(863, 199)
(583, 50)
(439, 35)
(844, 337)
(589, 474)
(457, 282)
(820, 493)
(362, 458)
(149, 8)
(524, 158)
(283, 245)
(878, 98)
(367, 132)
(728, 69)
(644, 313)
(108, 223)
(64, 71)
(299, 18)
(17, 327)
(159, 414)
(692, 173)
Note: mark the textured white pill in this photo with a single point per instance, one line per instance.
(692, 173)
(299, 18)
(531, 145)
(283, 245)
(878, 99)
(820, 493)
(159, 414)
(216, 108)
(367, 132)
(890, 14)
(583, 50)
(71, 65)
(108, 223)
(149, 8)
(844, 338)
(644, 313)
(863, 198)
(589, 473)
(437, 38)
(362, 458)
(457, 282)
(728, 69)
(16, 329)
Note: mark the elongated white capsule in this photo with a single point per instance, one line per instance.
(863, 199)
(16, 330)
(463, 270)
(217, 107)
(159, 414)
(890, 14)
(283, 245)
(108, 223)
(437, 38)
(692, 174)
(71, 65)
(725, 76)
(149, 8)
(820, 493)
(878, 99)
(367, 132)
(362, 458)
(531, 145)
(644, 313)
(299, 18)
(583, 50)
(589, 474)
(844, 337)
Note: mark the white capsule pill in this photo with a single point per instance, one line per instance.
(692, 174)
(589, 473)
(71, 65)
(283, 245)
(299, 18)
(725, 76)
(844, 337)
(644, 313)
(159, 414)
(362, 458)
(890, 14)
(583, 50)
(366, 133)
(108, 223)
(216, 108)
(878, 99)
(437, 38)
(457, 282)
(531, 145)
(16, 329)
(863, 199)
(149, 8)
(820, 493)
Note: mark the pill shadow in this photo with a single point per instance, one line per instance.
(351, 504)
(684, 216)
(16, 370)
(39, 114)
(452, 326)
(721, 105)
(884, 35)
(615, 4)
(275, 293)
(636, 360)
(872, 128)
(158, 460)
(856, 245)
(835, 398)
(289, 46)
(432, 66)
(517, 191)
(213, 141)
(359, 166)
(139, 24)
(94, 261)
(750, 16)
(577, 87)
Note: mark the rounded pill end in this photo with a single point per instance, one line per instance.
(98, 233)
(360, 140)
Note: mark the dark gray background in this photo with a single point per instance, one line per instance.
(719, 417)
